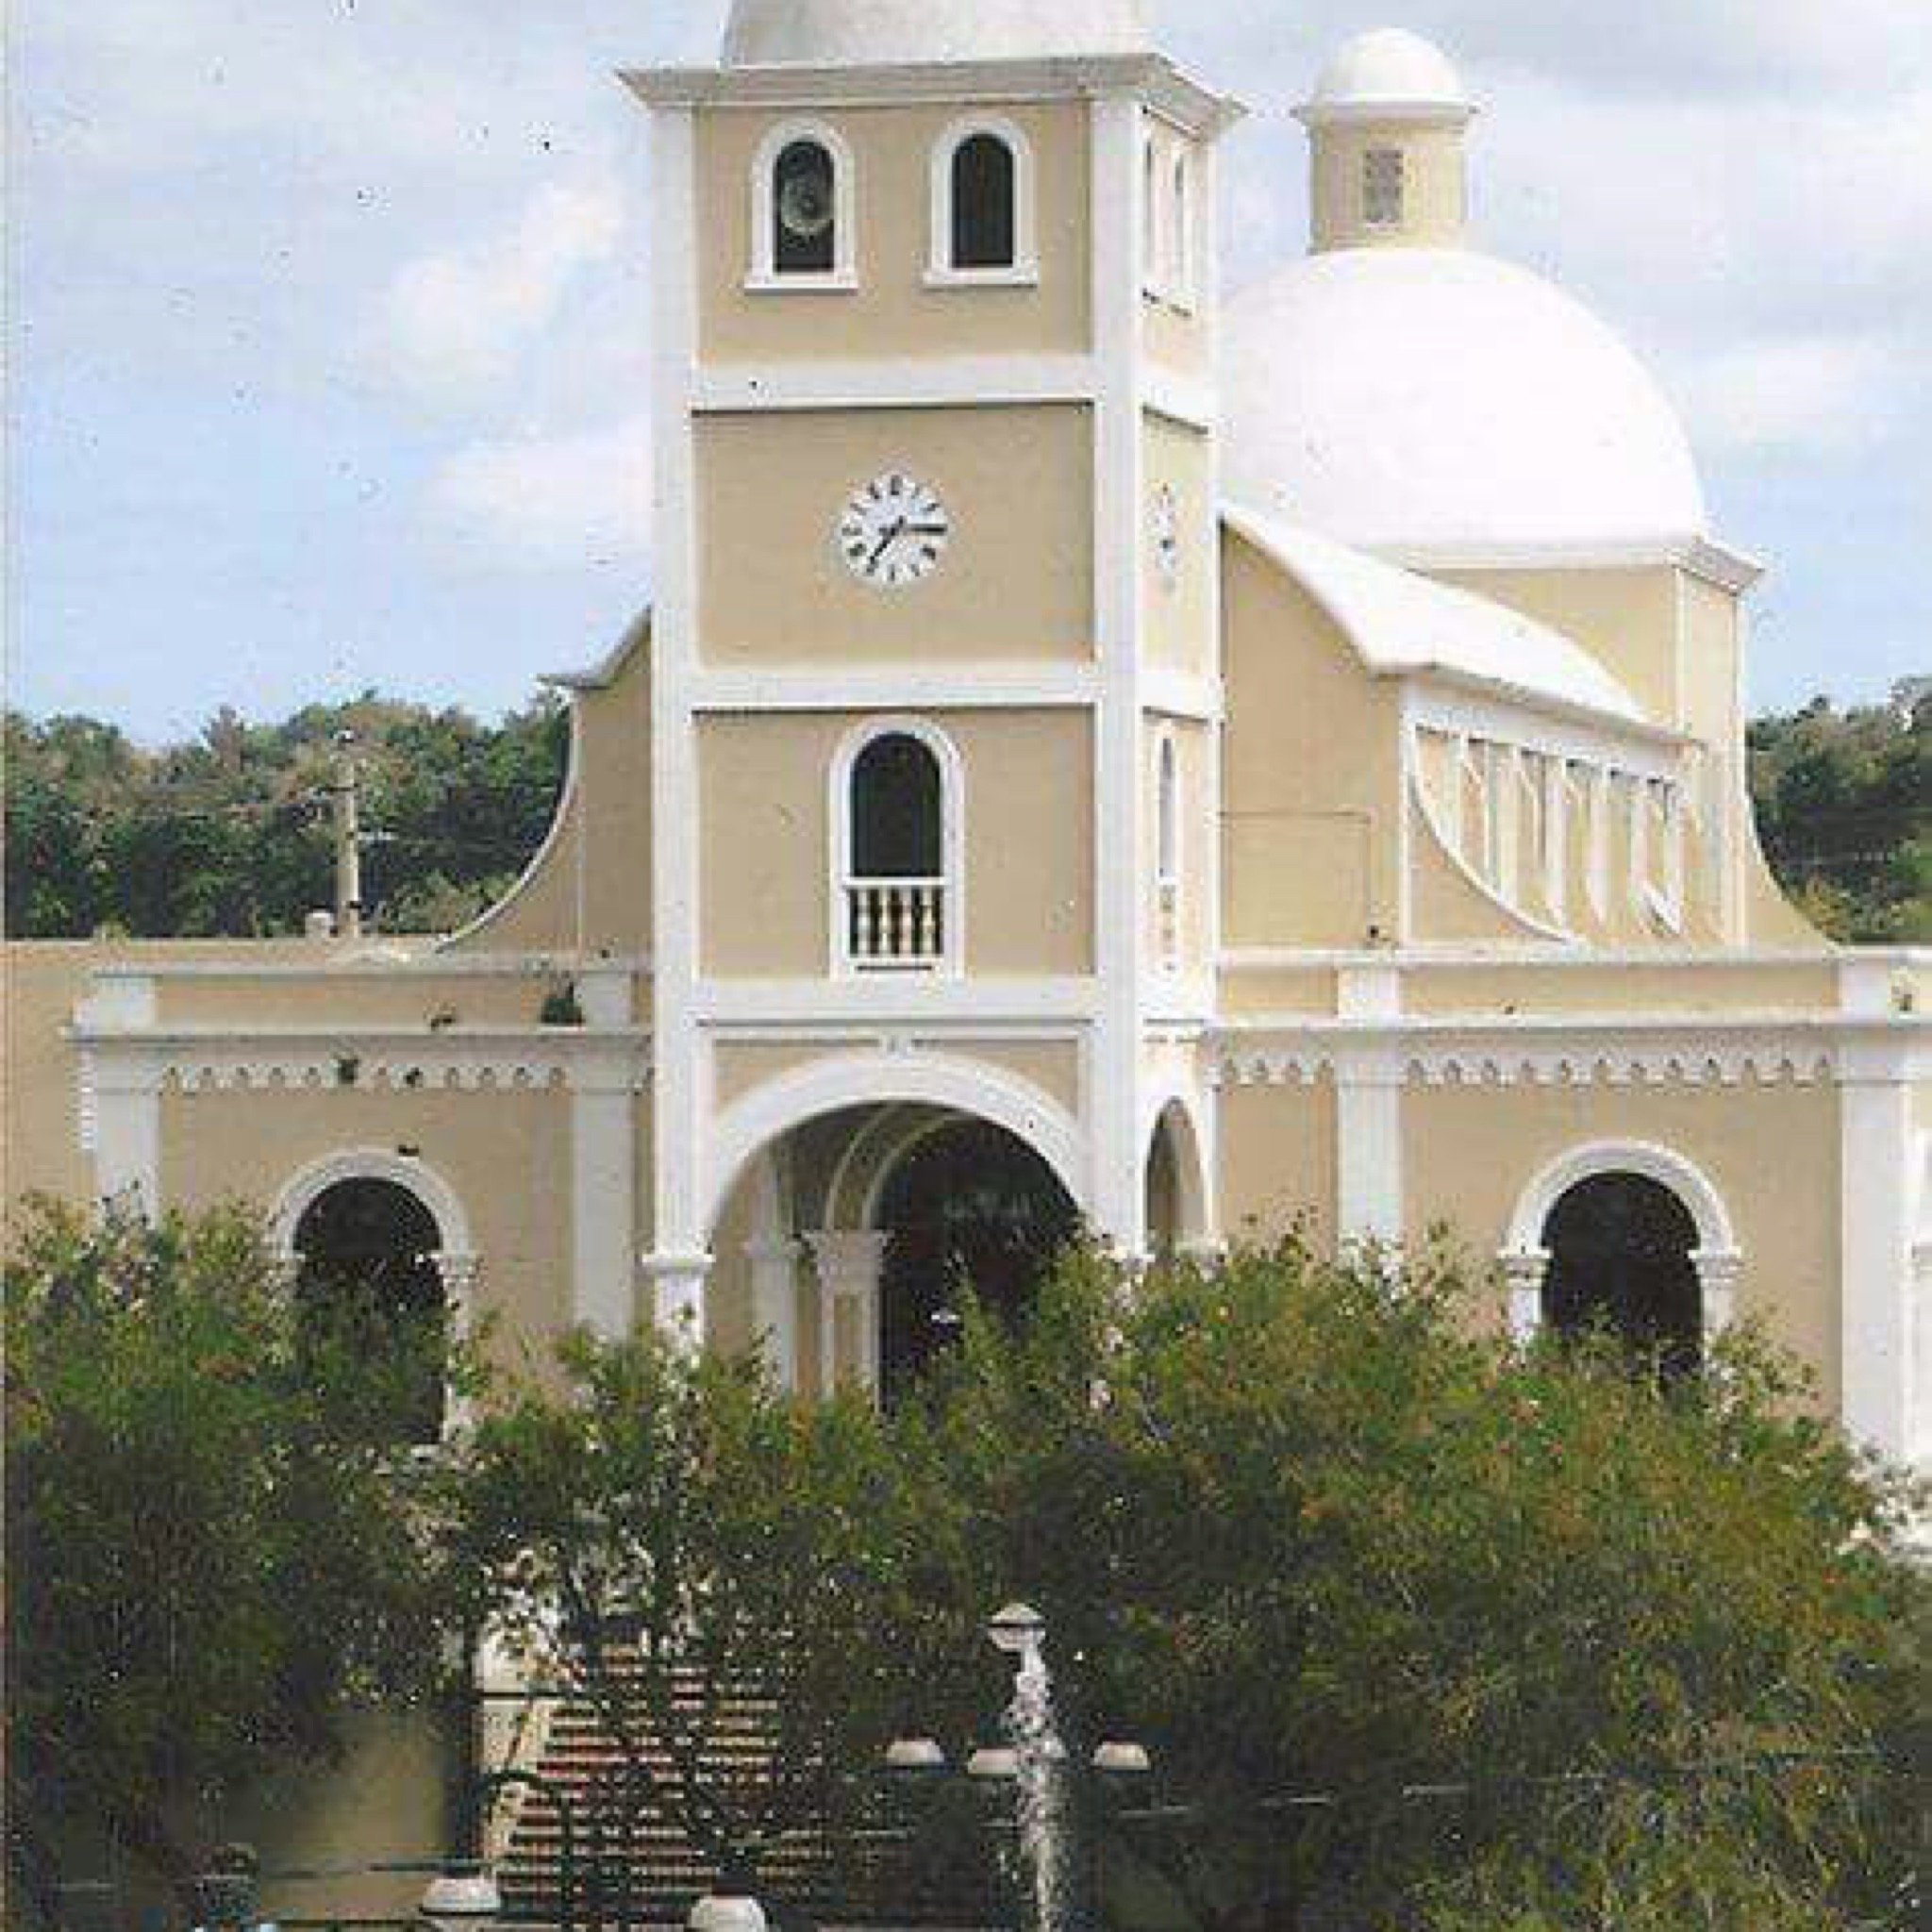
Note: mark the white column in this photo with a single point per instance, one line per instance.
(1876, 1233)
(849, 1264)
(1369, 1079)
(675, 1295)
(460, 1274)
(1719, 1273)
(775, 1304)
(604, 1158)
(128, 1130)
(1525, 1271)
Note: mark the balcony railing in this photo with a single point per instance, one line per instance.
(896, 925)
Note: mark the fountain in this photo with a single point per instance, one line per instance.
(1040, 1765)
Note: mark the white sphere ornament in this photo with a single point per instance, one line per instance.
(728, 1915)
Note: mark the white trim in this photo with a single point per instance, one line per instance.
(1881, 1169)
(1024, 271)
(977, 382)
(773, 1110)
(1183, 399)
(906, 688)
(840, 872)
(764, 276)
(1441, 704)
(1692, 1188)
(308, 1184)
(1189, 105)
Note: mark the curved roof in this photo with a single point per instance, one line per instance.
(837, 33)
(1405, 625)
(1428, 400)
(1385, 71)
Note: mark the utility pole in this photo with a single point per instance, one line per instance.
(347, 796)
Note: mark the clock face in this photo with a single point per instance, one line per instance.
(894, 532)
(1165, 530)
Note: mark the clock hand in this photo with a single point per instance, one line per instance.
(885, 543)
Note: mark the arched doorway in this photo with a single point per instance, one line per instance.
(1623, 1252)
(368, 1250)
(967, 1210)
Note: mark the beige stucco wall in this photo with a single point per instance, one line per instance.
(1771, 1152)
(1493, 989)
(1277, 1162)
(1435, 210)
(1015, 583)
(505, 1155)
(351, 998)
(1311, 774)
(893, 312)
(765, 841)
(41, 1147)
(1179, 628)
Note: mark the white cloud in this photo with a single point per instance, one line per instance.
(1802, 397)
(456, 323)
(550, 503)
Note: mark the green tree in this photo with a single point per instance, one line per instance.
(214, 1553)
(1309, 1536)
(667, 1535)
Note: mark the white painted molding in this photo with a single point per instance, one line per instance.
(764, 276)
(1881, 1168)
(416, 1177)
(1024, 271)
(763, 1117)
(985, 382)
(1716, 1233)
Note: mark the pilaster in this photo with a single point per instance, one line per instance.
(850, 1265)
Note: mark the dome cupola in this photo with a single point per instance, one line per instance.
(1389, 126)
(876, 33)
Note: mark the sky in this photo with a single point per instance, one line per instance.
(330, 331)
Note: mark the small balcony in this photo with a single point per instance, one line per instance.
(896, 925)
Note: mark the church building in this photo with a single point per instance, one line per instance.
(1098, 755)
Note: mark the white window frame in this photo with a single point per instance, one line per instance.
(1183, 240)
(839, 877)
(1153, 225)
(1169, 896)
(941, 272)
(765, 277)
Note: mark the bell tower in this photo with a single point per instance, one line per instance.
(934, 653)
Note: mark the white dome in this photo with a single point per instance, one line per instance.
(843, 33)
(1388, 67)
(1429, 400)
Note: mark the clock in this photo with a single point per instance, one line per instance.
(1164, 528)
(894, 532)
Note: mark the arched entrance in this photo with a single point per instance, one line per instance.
(968, 1210)
(1622, 1254)
(367, 1254)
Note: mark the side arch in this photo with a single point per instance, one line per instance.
(1716, 1233)
(310, 1183)
(1173, 1114)
(853, 1080)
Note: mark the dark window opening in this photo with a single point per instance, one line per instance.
(804, 210)
(985, 204)
(898, 811)
(1620, 1248)
(369, 1279)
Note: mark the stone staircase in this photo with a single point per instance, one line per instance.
(640, 1870)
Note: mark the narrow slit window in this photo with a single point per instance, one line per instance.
(986, 226)
(1385, 186)
(1182, 216)
(804, 210)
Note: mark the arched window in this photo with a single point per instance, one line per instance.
(803, 209)
(369, 1277)
(897, 895)
(1153, 269)
(1385, 186)
(1167, 853)
(982, 205)
(1181, 279)
(1624, 1253)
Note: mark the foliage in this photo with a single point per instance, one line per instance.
(1308, 1536)
(230, 835)
(1844, 806)
(214, 1555)
(666, 1535)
